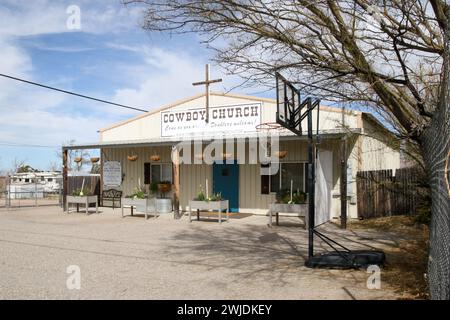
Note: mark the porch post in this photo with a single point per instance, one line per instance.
(65, 180)
(343, 184)
(312, 152)
(100, 199)
(176, 181)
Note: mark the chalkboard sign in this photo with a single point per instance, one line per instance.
(112, 173)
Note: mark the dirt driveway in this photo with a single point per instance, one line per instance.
(163, 258)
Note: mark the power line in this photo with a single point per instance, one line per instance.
(12, 144)
(71, 93)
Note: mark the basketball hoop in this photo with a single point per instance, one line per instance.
(268, 127)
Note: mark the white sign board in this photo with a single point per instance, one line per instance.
(237, 118)
(112, 173)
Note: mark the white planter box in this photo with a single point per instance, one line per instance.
(143, 205)
(86, 200)
(299, 210)
(208, 206)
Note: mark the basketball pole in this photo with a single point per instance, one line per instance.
(289, 115)
(311, 182)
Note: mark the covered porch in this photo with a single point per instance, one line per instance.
(143, 162)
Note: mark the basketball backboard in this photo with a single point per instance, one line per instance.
(288, 105)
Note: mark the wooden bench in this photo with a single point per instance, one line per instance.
(112, 195)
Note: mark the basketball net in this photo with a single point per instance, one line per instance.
(267, 129)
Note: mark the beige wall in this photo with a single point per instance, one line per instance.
(148, 126)
(368, 151)
(192, 176)
(133, 171)
(364, 153)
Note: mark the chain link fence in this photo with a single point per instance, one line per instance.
(30, 194)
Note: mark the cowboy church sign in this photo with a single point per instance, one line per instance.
(236, 118)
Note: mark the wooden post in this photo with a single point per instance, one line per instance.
(100, 199)
(65, 179)
(343, 185)
(176, 181)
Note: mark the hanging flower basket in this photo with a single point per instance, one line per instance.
(78, 159)
(95, 159)
(164, 187)
(132, 157)
(155, 157)
(280, 154)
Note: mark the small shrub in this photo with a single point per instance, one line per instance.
(200, 195)
(138, 193)
(81, 192)
(154, 187)
(284, 196)
(215, 197)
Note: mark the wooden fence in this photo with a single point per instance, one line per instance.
(92, 183)
(380, 193)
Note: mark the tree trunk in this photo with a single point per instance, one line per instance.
(435, 144)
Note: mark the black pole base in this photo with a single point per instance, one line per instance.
(346, 260)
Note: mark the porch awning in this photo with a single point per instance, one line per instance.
(169, 141)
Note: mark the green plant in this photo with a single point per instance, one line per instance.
(200, 195)
(81, 192)
(154, 187)
(215, 197)
(284, 196)
(299, 197)
(138, 193)
(164, 187)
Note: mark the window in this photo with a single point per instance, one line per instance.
(157, 172)
(27, 180)
(289, 172)
(50, 179)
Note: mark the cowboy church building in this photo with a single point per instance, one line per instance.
(149, 138)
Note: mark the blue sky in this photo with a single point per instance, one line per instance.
(111, 57)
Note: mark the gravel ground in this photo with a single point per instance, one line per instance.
(163, 258)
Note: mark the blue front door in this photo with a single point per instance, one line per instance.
(226, 181)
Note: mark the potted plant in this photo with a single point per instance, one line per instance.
(82, 196)
(154, 187)
(287, 203)
(137, 199)
(163, 203)
(132, 157)
(215, 202)
(164, 187)
(284, 197)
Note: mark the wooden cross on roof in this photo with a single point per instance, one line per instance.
(207, 82)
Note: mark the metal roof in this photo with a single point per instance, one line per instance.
(324, 134)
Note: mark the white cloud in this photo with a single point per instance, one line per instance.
(27, 18)
(31, 115)
(165, 76)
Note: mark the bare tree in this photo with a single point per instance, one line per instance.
(384, 55)
(17, 164)
(72, 155)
